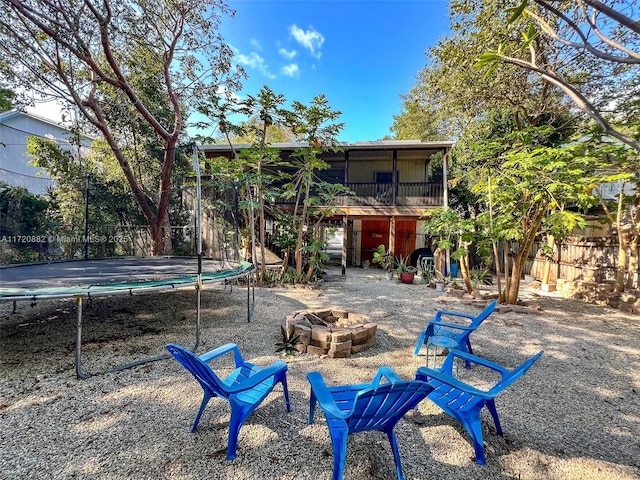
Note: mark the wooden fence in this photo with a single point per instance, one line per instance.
(579, 258)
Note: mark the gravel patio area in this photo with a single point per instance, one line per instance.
(574, 415)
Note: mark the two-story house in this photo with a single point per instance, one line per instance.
(395, 183)
(15, 168)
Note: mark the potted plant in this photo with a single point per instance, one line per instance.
(480, 276)
(440, 281)
(426, 267)
(405, 271)
(384, 259)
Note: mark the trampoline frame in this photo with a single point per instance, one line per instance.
(79, 293)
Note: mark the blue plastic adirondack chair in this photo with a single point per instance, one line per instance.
(464, 402)
(459, 333)
(245, 388)
(358, 408)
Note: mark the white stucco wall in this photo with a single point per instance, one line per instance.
(15, 128)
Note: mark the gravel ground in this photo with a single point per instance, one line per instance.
(574, 415)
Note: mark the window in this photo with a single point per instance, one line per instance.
(384, 177)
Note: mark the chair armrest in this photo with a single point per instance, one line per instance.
(440, 313)
(257, 378)
(437, 323)
(388, 373)
(479, 361)
(218, 352)
(324, 397)
(451, 381)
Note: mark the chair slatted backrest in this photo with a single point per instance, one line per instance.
(453, 397)
(382, 406)
(443, 331)
(199, 369)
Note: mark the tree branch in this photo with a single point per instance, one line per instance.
(576, 97)
(631, 58)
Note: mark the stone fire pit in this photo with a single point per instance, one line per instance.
(334, 332)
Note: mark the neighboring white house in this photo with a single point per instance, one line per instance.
(15, 128)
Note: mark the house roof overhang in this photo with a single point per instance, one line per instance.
(369, 146)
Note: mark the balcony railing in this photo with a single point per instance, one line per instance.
(427, 194)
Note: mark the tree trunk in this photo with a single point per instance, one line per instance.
(530, 228)
(505, 256)
(285, 262)
(464, 270)
(157, 240)
(514, 283)
(262, 232)
(312, 263)
(547, 262)
(262, 223)
(632, 267)
(300, 240)
(496, 256)
(167, 237)
(621, 268)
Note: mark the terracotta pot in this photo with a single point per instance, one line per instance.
(406, 277)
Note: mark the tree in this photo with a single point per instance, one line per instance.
(454, 232)
(533, 191)
(316, 125)
(452, 99)
(6, 94)
(109, 59)
(259, 164)
(511, 168)
(450, 95)
(266, 176)
(596, 66)
(613, 163)
(270, 107)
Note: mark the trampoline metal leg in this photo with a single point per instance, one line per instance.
(251, 296)
(198, 288)
(79, 371)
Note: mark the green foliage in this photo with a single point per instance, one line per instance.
(132, 69)
(516, 171)
(112, 208)
(427, 273)
(593, 73)
(383, 258)
(450, 94)
(316, 257)
(401, 265)
(24, 225)
(454, 232)
(263, 176)
(288, 342)
(480, 276)
(6, 99)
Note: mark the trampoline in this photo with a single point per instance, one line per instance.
(83, 279)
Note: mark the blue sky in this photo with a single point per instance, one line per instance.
(362, 55)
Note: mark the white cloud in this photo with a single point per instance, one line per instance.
(291, 70)
(288, 54)
(255, 61)
(256, 44)
(310, 39)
